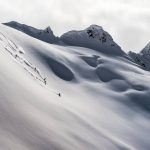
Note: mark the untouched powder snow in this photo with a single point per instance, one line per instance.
(104, 101)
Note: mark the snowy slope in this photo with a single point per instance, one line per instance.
(104, 103)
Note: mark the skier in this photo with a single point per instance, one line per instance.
(16, 56)
(44, 80)
(59, 94)
(35, 69)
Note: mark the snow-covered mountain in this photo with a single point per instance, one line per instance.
(61, 97)
(142, 58)
(45, 35)
(93, 37)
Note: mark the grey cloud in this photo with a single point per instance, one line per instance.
(127, 21)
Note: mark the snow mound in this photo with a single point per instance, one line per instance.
(106, 74)
(93, 61)
(59, 69)
(93, 37)
(45, 35)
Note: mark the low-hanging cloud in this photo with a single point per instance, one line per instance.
(127, 21)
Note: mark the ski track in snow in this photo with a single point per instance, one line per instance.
(17, 53)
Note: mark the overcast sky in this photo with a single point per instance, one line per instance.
(128, 21)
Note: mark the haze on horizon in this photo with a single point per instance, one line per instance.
(127, 21)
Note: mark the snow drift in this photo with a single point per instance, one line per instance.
(104, 101)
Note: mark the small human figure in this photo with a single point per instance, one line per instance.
(35, 69)
(59, 94)
(44, 80)
(16, 56)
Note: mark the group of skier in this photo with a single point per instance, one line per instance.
(45, 81)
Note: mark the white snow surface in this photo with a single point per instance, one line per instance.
(104, 103)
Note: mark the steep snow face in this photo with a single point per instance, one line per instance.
(45, 35)
(93, 37)
(104, 101)
(142, 58)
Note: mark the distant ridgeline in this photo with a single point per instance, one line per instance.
(93, 37)
(45, 35)
(142, 58)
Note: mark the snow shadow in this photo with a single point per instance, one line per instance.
(140, 99)
(59, 69)
(106, 75)
(92, 61)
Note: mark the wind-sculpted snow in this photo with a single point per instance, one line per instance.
(107, 75)
(58, 68)
(92, 60)
(103, 102)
